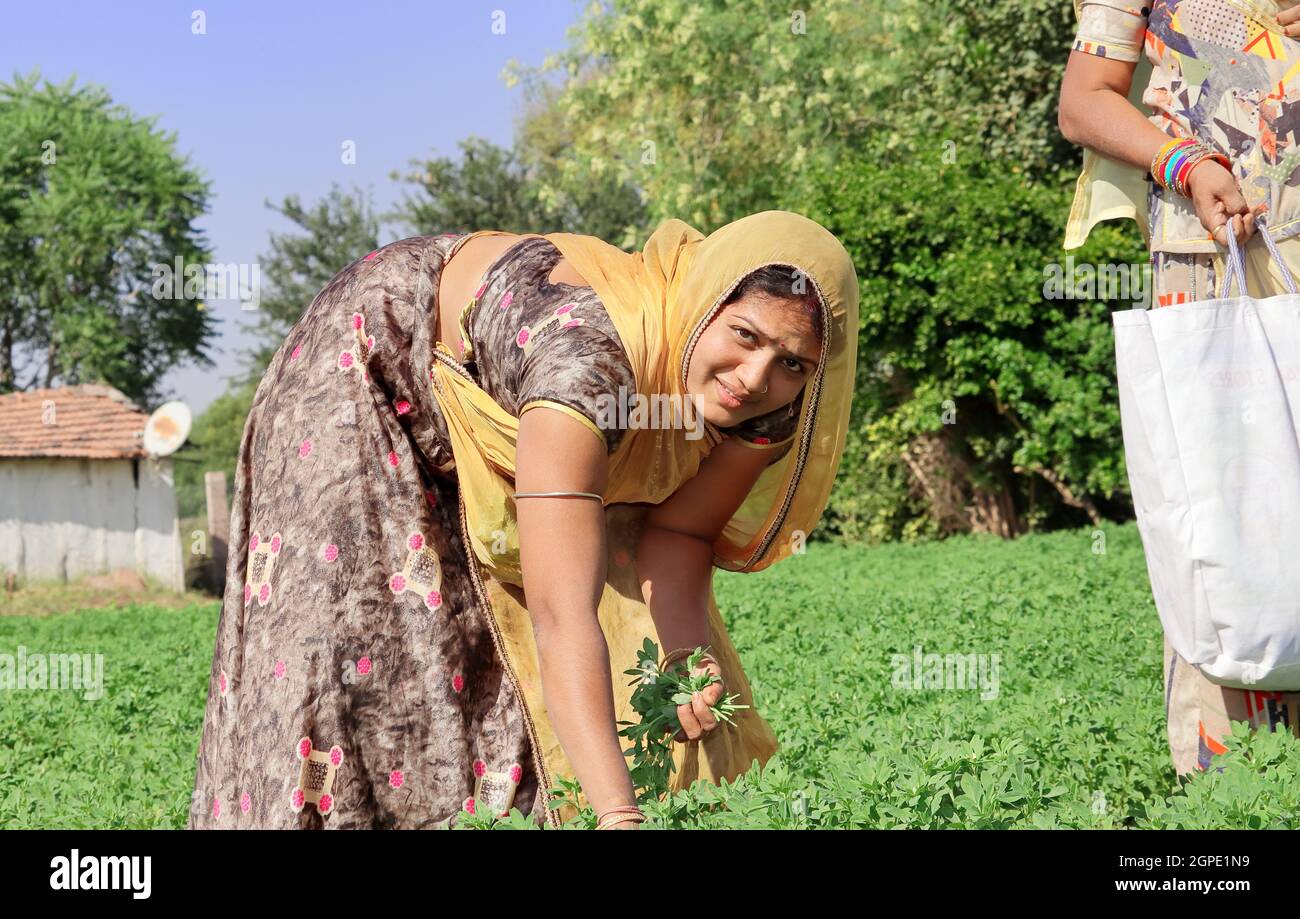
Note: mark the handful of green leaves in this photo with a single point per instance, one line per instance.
(655, 699)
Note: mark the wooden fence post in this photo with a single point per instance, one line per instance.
(214, 486)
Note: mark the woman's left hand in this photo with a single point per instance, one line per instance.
(695, 716)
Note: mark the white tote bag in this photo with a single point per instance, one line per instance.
(1209, 396)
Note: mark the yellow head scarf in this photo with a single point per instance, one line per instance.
(660, 300)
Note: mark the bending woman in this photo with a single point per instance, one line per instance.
(1217, 151)
(452, 530)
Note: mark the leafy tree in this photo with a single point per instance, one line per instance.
(610, 208)
(494, 188)
(987, 73)
(485, 190)
(92, 200)
(713, 109)
(982, 403)
(967, 214)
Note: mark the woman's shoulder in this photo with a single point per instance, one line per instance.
(482, 258)
(525, 292)
(543, 343)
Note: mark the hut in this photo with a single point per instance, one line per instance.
(79, 494)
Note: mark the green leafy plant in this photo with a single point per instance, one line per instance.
(1076, 736)
(655, 698)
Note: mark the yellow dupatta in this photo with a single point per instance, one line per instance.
(660, 300)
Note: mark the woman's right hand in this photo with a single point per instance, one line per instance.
(1218, 199)
(696, 717)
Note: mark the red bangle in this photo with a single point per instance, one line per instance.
(1180, 182)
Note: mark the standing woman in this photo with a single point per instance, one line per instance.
(1220, 148)
(434, 590)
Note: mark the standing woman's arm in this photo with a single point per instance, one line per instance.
(1094, 112)
(562, 552)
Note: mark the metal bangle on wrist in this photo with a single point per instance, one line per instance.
(619, 815)
(673, 656)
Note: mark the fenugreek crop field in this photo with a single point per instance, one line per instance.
(1054, 718)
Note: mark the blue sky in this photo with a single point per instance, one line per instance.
(263, 102)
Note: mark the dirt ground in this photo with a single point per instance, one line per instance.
(104, 591)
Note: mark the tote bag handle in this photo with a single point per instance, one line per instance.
(1237, 262)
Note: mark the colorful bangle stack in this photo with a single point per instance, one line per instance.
(1174, 161)
(619, 815)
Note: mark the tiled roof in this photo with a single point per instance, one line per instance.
(88, 421)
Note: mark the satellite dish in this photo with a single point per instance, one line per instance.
(167, 429)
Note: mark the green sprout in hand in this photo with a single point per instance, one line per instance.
(656, 697)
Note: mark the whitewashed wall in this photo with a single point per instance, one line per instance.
(64, 518)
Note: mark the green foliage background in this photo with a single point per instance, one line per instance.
(924, 136)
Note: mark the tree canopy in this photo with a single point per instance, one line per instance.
(93, 200)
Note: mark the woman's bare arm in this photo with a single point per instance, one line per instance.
(562, 552)
(675, 551)
(1094, 112)
(674, 562)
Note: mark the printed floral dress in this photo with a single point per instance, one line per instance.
(354, 680)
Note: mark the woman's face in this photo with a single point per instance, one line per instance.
(753, 358)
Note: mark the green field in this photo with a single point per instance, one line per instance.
(1071, 733)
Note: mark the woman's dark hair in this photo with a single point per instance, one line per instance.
(783, 282)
